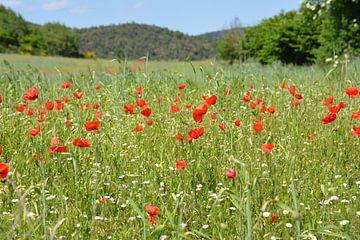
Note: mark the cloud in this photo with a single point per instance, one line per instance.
(55, 5)
(10, 3)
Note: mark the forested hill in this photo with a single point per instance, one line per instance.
(136, 40)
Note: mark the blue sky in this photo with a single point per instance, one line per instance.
(189, 16)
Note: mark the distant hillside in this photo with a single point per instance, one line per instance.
(137, 40)
(214, 36)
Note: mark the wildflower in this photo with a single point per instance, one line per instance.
(65, 85)
(78, 95)
(4, 170)
(181, 86)
(139, 90)
(329, 118)
(179, 137)
(230, 173)
(175, 108)
(237, 123)
(90, 126)
(34, 132)
(352, 92)
(267, 147)
(199, 112)
(81, 143)
(181, 164)
(58, 149)
(129, 108)
(146, 112)
(211, 100)
(222, 126)
(31, 94)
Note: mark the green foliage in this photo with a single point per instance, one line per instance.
(137, 40)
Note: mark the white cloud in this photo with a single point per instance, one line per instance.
(10, 3)
(55, 5)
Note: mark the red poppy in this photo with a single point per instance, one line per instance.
(259, 101)
(59, 106)
(58, 149)
(97, 87)
(179, 137)
(328, 101)
(211, 100)
(251, 86)
(352, 92)
(55, 140)
(175, 108)
(258, 127)
(139, 128)
(0, 149)
(237, 123)
(176, 99)
(227, 92)
(310, 136)
(253, 105)
(263, 109)
(188, 106)
(139, 90)
(333, 109)
(160, 99)
(49, 105)
(30, 112)
(267, 147)
(4, 170)
(181, 164)
(292, 90)
(196, 133)
(152, 210)
(66, 85)
(355, 115)
(271, 109)
(150, 122)
(91, 126)
(341, 105)
(298, 96)
(31, 94)
(181, 86)
(141, 103)
(247, 99)
(230, 173)
(34, 132)
(1, 99)
(78, 95)
(152, 220)
(199, 112)
(96, 106)
(222, 126)
(85, 106)
(83, 143)
(329, 118)
(295, 104)
(356, 131)
(273, 219)
(283, 86)
(146, 112)
(129, 108)
(98, 115)
(65, 100)
(41, 111)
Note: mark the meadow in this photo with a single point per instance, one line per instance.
(178, 150)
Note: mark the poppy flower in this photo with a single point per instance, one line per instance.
(55, 140)
(57, 149)
(41, 111)
(230, 173)
(65, 85)
(83, 143)
(196, 133)
(175, 108)
(4, 170)
(160, 99)
(247, 99)
(129, 108)
(139, 90)
(263, 109)
(271, 109)
(211, 100)
(237, 123)
(139, 128)
(78, 95)
(259, 101)
(253, 105)
(91, 126)
(59, 106)
(333, 109)
(0, 149)
(98, 115)
(188, 106)
(199, 112)
(34, 132)
(181, 86)
(273, 219)
(96, 106)
(227, 92)
(251, 86)
(31, 94)
(352, 92)
(341, 105)
(97, 87)
(179, 137)
(141, 103)
(283, 86)
(152, 210)
(292, 90)
(267, 147)
(310, 136)
(146, 112)
(298, 96)
(222, 126)
(355, 115)
(65, 100)
(176, 99)
(356, 131)
(181, 164)
(152, 220)
(328, 101)
(30, 112)
(258, 127)
(1, 99)
(329, 118)
(49, 105)
(150, 122)
(295, 104)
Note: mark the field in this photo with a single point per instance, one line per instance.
(178, 150)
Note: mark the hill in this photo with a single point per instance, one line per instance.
(136, 40)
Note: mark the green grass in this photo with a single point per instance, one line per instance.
(57, 196)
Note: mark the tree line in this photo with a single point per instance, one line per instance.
(320, 31)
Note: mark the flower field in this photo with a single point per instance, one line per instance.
(250, 152)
